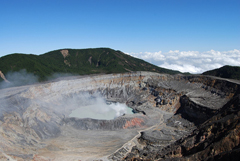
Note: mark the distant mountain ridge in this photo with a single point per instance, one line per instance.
(77, 61)
(231, 72)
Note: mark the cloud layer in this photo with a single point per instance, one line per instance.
(191, 61)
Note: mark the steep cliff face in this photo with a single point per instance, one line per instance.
(215, 139)
(215, 135)
(35, 122)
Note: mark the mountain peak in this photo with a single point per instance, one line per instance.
(77, 61)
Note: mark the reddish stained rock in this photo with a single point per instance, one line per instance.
(135, 122)
(39, 158)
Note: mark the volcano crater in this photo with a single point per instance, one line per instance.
(36, 121)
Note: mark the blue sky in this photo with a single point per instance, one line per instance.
(132, 26)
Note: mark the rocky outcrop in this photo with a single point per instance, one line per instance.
(3, 77)
(215, 139)
(193, 112)
(64, 53)
(216, 136)
(90, 60)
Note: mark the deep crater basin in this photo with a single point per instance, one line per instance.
(90, 117)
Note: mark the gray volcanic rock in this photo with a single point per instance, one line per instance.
(35, 122)
(216, 134)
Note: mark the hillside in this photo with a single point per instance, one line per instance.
(76, 61)
(232, 72)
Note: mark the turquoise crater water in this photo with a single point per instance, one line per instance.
(102, 111)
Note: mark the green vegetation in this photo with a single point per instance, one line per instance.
(78, 61)
(232, 72)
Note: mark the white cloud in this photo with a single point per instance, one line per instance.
(148, 55)
(191, 61)
(182, 68)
